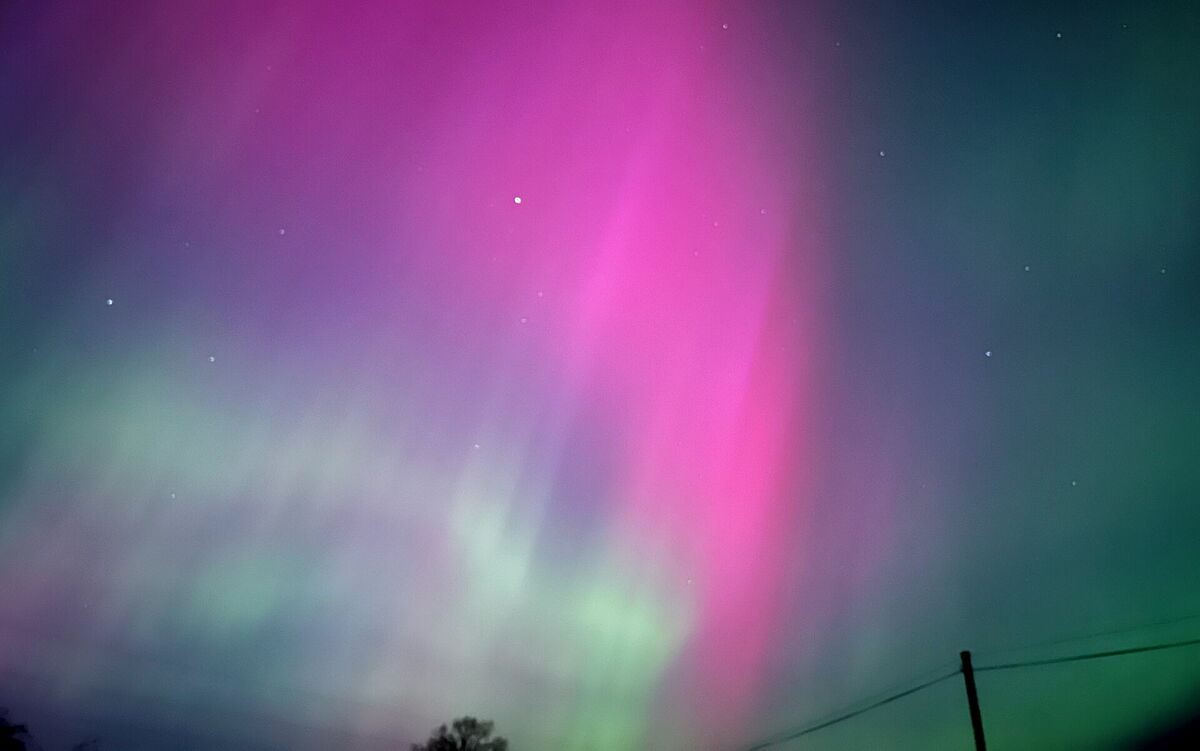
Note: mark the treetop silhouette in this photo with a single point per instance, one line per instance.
(464, 734)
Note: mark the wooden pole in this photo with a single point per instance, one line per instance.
(973, 701)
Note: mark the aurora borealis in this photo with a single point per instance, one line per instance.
(636, 375)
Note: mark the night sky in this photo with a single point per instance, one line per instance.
(637, 375)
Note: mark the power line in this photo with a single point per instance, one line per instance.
(885, 692)
(1090, 655)
(1095, 635)
(893, 688)
(854, 713)
(851, 713)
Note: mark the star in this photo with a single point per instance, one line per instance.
(108, 301)
(211, 358)
(988, 353)
(517, 200)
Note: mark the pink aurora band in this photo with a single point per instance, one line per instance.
(556, 443)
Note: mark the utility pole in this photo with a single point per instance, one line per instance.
(973, 700)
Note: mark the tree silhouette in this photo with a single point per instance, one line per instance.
(464, 734)
(12, 737)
